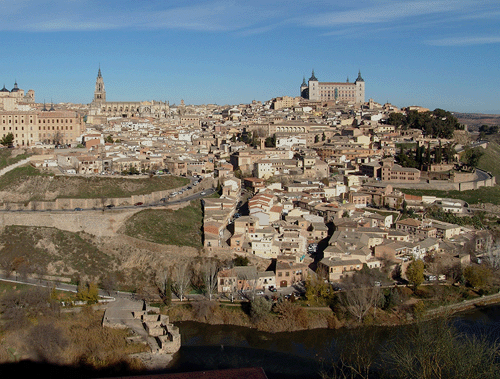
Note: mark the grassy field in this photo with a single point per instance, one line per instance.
(6, 158)
(490, 160)
(181, 227)
(481, 195)
(27, 179)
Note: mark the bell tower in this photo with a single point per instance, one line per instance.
(100, 92)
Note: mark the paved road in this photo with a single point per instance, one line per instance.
(195, 196)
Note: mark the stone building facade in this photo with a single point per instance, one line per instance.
(11, 100)
(45, 126)
(345, 92)
(101, 108)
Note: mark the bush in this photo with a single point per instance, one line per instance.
(260, 308)
(292, 316)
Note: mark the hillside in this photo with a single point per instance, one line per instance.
(27, 183)
(490, 160)
(10, 156)
(181, 227)
(129, 262)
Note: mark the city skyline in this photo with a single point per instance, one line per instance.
(437, 54)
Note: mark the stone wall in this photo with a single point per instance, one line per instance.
(441, 185)
(68, 204)
(98, 223)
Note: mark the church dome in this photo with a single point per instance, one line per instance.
(15, 89)
(4, 89)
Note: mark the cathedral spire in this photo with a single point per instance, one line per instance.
(100, 92)
(313, 77)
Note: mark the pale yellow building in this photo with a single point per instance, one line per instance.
(46, 126)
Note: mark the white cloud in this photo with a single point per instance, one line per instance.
(384, 12)
(243, 17)
(464, 41)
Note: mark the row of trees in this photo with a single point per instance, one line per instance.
(437, 124)
(422, 156)
(201, 276)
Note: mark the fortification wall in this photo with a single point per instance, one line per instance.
(99, 203)
(488, 181)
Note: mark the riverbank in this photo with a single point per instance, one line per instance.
(291, 317)
(295, 317)
(464, 306)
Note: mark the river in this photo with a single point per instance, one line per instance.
(290, 355)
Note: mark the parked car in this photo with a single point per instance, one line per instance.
(110, 206)
(78, 209)
(260, 292)
(203, 193)
(139, 204)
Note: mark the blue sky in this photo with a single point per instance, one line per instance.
(433, 53)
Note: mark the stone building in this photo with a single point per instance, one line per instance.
(101, 109)
(11, 100)
(345, 92)
(45, 126)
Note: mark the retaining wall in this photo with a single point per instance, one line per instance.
(98, 223)
(99, 203)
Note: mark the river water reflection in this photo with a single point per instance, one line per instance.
(290, 355)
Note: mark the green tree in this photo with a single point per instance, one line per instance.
(271, 141)
(477, 276)
(7, 140)
(415, 272)
(317, 291)
(87, 292)
(241, 261)
(260, 308)
(167, 299)
(471, 156)
(108, 139)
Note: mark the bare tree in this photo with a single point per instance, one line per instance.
(181, 276)
(58, 136)
(210, 270)
(357, 354)
(250, 278)
(162, 280)
(7, 266)
(47, 342)
(492, 253)
(109, 282)
(358, 301)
